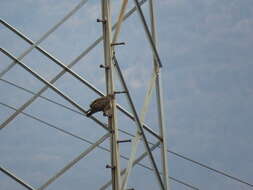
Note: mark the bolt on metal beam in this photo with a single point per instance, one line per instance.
(137, 160)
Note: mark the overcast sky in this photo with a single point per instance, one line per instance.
(206, 49)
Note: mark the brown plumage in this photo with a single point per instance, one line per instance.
(101, 104)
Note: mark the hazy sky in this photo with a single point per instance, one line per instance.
(206, 49)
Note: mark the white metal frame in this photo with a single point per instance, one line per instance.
(119, 177)
(159, 95)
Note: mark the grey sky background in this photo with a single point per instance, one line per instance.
(206, 49)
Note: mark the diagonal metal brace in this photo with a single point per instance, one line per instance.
(138, 122)
(51, 86)
(148, 34)
(17, 179)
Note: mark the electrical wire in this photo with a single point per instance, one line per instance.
(89, 142)
(127, 133)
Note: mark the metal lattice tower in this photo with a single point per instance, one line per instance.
(119, 176)
(144, 141)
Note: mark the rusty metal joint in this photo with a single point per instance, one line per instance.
(123, 141)
(101, 20)
(117, 43)
(112, 131)
(104, 66)
(108, 166)
(120, 92)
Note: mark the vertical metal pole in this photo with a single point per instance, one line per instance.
(159, 95)
(140, 127)
(109, 73)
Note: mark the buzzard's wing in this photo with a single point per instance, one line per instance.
(95, 102)
(100, 103)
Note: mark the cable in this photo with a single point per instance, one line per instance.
(209, 168)
(125, 132)
(89, 142)
(43, 97)
(54, 102)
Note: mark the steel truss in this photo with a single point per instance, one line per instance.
(112, 67)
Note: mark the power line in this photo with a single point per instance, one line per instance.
(43, 97)
(89, 142)
(212, 169)
(125, 132)
(54, 102)
(170, 151)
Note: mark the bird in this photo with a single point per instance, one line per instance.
(101, 104)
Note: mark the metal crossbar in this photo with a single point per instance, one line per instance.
(50, 31)
(74, 161)
(109, 73)
(137, 137)
(67, 68)
(17, 179)
(51, 86)
(139, 124)
(136, 162)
